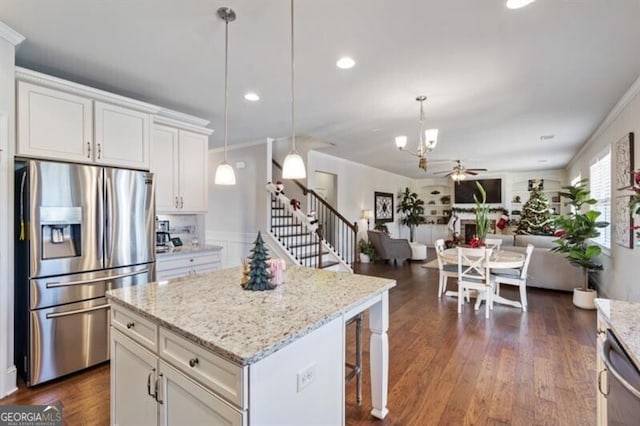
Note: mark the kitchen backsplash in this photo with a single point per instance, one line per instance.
(187, 227)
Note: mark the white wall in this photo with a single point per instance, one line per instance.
(8, 40)
(236, 213)
(356, 185)
(619, 280)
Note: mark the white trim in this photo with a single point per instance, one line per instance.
(56, 83)
(184, 118)
(629, 95)
(11, 35)
(158, 119)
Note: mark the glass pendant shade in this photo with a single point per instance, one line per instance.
(225, 174)
(431, 138)
(401, 142)
(293, 167)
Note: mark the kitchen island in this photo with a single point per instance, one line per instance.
(200, 349)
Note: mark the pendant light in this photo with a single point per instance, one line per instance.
(293, 167)
(224, 173)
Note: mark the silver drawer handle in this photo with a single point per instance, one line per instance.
(94, 280)
(193, 362)
(77, 311)
(153, 370)
(156, 388)
(88, 149)
(130, 325)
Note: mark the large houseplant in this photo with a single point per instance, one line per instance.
(575, 230)
(412, 208)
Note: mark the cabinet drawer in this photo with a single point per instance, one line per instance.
(226, 379)
(187, 261)
(135, 326)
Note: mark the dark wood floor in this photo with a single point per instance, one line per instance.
(534, 368)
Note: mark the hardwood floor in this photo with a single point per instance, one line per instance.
(534, 368)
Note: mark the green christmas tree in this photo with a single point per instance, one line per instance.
(536, 217)
(259, 274)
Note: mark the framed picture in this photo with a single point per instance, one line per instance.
(536, 184)
(383, 202)
(622, 223)
(624, 161)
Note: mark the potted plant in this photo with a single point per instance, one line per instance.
(412, 207)
(367, 252)
(482, 217)
(575, 229)
(382, 227)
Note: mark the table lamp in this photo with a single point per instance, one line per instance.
(367, 214)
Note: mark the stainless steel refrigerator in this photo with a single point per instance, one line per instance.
(80, 231)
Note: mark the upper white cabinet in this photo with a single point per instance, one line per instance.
(179, 161)
(61, 120)
(54, 124)
(121, 136)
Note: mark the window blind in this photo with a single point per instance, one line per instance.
(600, 187)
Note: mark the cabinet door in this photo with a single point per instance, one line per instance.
(184, 402)
(164, 164)
(121, 136)
(54, 124)
(133, 376)
(193, 172)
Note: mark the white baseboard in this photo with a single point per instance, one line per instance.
(9, 382)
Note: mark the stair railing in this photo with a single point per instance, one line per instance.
(336, 230)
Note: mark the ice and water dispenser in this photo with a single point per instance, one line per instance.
(60, 232)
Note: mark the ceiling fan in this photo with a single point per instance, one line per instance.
(459, 172)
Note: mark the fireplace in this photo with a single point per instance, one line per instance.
(468, 229)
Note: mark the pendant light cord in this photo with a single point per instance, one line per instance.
(293, 108)
(226, 85)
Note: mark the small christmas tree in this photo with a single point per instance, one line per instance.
(259, 274)
(536, 217)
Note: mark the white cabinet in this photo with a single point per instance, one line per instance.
(172, 265)
(121, 136)
(179, 160)
(54, 124)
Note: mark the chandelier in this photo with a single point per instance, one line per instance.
(428, 139)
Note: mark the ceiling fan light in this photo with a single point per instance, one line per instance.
(401, 142)
(225, 174)
(293, 167)
(517, 4)
(457, 177)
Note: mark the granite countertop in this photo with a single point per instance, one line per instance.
(624, 320)
(187, 248)
(245, 326)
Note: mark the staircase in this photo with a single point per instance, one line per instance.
(329, 243)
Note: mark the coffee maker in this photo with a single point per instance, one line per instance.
(162, 234)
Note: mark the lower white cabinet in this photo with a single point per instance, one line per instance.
(173, 265)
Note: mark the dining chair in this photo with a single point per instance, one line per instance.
(493, 243)
(447, 270)
(515, 277)
(474, 274)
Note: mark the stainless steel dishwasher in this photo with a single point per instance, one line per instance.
(623, 384)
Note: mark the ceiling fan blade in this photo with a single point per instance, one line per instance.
(477, 170)
(469, 172)
(441, 172)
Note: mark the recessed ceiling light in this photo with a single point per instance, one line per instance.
(345, 63)
(253, 97)
(547, 137)
(517, 4)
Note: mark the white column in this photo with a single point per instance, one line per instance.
(379, 355)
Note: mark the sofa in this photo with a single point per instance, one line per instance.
(547, 269)
(388, 248)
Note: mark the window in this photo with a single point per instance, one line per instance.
(576, 179)
(600, 187)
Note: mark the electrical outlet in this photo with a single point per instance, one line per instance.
(306, 377)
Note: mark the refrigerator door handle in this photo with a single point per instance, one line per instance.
(607, 347)
(94, 280)
(77, 311)
(108, 208)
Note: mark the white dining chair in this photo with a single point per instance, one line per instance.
(515, 277)
(493, 243)
(447, 270)
(474, 274)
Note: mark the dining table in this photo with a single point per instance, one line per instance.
(499, 259)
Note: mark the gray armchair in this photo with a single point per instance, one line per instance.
(389, 248)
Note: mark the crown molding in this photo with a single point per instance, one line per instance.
(11, 35)
(27, 75)
(160, 119)
(629, 95)
(244, 145)
(182, 117)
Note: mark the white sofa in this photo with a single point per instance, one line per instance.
(547, 269)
